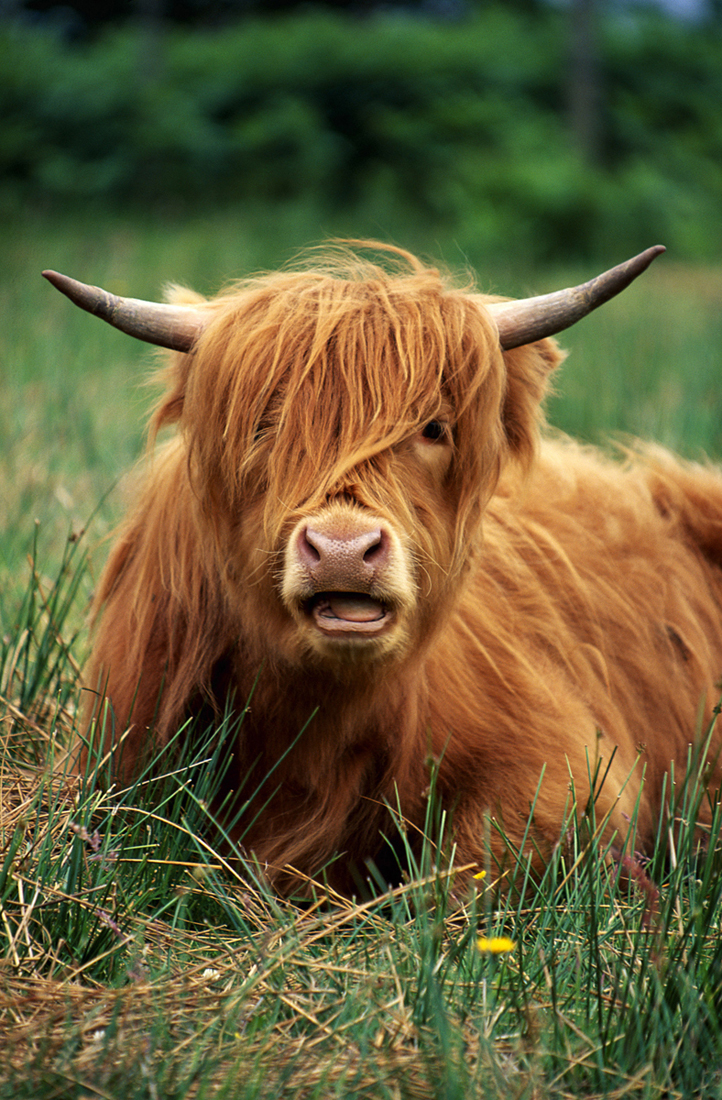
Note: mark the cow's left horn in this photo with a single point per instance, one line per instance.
(530, 319)
(175, 327)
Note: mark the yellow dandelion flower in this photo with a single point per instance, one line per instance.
(495, 945)
(481, 874)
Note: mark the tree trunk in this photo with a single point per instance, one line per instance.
(585, 81)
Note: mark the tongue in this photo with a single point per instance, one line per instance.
(353, 608)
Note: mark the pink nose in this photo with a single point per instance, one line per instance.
(343, 560)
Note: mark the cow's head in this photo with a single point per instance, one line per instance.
(345, 425)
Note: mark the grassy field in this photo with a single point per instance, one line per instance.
(137, 961)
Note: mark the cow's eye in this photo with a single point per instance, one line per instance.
(434, 430)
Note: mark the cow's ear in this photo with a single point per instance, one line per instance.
(175, 377)
(528, 371)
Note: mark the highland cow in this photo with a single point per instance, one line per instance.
(361, 526)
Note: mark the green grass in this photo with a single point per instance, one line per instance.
(140, 961)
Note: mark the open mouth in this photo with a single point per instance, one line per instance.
(348, 613)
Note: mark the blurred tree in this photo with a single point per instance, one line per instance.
(92, 14)
(85, 16)
(466, 122)
(150, 15)
(585, 81)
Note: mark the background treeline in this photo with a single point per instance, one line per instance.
(463, 124)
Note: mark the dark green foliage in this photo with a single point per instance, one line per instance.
(464, 123)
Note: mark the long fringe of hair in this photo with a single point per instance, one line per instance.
(320, 371)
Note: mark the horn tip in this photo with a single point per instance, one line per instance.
(61, 282)
(651, 253)
(640, 263)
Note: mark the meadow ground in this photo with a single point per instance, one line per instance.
(139, 962)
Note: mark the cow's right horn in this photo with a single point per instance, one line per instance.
(529, 319)
(174, 327)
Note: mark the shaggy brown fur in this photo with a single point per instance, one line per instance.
(524, 606)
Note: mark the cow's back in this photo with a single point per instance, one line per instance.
(591, 631)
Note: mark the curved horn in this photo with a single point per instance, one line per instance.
(530, 319)
(519, 322)
(175, 327)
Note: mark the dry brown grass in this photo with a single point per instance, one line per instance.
(301, 999)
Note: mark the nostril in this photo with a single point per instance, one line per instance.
(308, 545)
(376, 549)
